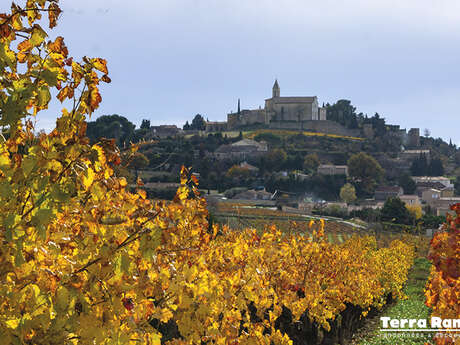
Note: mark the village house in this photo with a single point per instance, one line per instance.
(329, 169)
(163, 131)
(382, 193)
(423, 186)
(441, 179)
(447, 192)
(430, 195)
(442, 205)
(242, 150)
(410, 200)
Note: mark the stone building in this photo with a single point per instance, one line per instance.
(414, 137)
(295, 109)
(410, 200)
(242, 150)
(289, 113)
(410, 155)
(215, 126)
(247, 117)
(163, 131)
(329, 169)
(382, 193)
(279, 109)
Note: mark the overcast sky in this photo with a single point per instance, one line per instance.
(171, 59)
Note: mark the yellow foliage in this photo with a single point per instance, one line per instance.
(85, 261)
(415, 210)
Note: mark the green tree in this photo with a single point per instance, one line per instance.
(457, 185)
(457, 158)
(394, 210)
(348, 193)
(112, 127)
(436, 167)
(343, 112)
(365, 171)
(420, 166)
(407, 184)
(145, 124)
(198, 123)
(275, 159)
(311, 162)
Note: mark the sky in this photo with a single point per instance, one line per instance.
(171, 59)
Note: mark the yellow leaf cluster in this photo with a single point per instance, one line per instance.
(85, 261)
(443, 287)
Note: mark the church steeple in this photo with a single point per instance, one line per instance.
(276, 89)
(239, 108)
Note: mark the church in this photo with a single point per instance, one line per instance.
(279, 112)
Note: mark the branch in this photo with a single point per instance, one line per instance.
(131, 238)
(25, 10)
(159, 166)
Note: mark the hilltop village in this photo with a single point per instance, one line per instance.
(296, 155)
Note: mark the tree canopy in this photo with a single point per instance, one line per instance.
(111, 127)
(198, 123)
(365, 171)
(395, 210)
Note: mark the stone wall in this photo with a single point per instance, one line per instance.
(245, 118)
(326, 126)
(414, 137)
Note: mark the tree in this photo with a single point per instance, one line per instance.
(275, 159)
(145, 124)
(436, 167)
(186, 126)
(426, 132)
(112, 127)
(239, 173)
(311, 162)
(407, 184)
(457, 158)
(198, 123)
(365, 171)
(420, 166)
(348, 193)
(342, 112)
(394, 210)
(457, 185)
(137, 162)
(415, 212)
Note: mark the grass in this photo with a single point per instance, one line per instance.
(411, 308)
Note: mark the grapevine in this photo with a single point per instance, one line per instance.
(443, 288)
(84, 260)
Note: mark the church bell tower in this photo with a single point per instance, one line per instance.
(276, 89)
